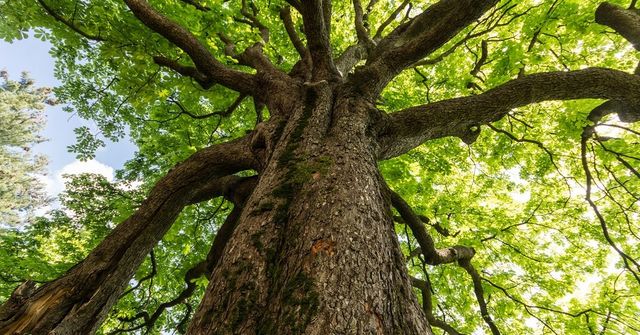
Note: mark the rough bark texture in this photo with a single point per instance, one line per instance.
(625, 22)
(315, 249)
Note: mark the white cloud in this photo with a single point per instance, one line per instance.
(55, 183)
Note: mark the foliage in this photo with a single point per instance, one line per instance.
(516, 195)
(21, 119)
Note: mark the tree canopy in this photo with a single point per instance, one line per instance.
(511, 138)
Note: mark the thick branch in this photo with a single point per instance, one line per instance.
(415, 39)
(625, 22)
(238, 194)
(461, 117)
(316, 17)
(77, 302)
(235, 189)
(183, 39)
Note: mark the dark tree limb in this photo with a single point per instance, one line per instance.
(295, 4)
(238, 195)
(625, 22)
(432, 255)
(361, 30)
(251, 56)
(630, 263)
(187, 71)
(197, 5)
(416, 39)
(316, 15)
(285, 16)
(77, 302)
(390, 19)
(236, 190)
(427, 306)
(200, 55)
(251, 18)
(528, 307)
(491, 21)
(151, 274)
(479, 292)
(436, 225)
(68, 23)
(462, 117)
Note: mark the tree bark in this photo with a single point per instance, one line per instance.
(315, 249)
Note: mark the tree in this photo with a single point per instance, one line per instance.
(475, 126)
(21, 119)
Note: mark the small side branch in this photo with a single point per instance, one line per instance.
(251, 18)
(223, 113)
(479, 292)
(197, 5)
(68, 23)
(427, 306)
(432, 255)
(285, 16)
(631, 264)
(151, 274)
(187, 71)
(361, 29)
(460, 254)
(390, 19)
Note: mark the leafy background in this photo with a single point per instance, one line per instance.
(517, 195)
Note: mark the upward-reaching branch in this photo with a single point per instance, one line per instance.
(185, 40)
(461, 117)
(285, 16)
(316, 15)
(415, 39)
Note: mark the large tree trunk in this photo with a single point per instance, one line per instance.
(315, 250)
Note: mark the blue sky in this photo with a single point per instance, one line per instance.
(32, 55)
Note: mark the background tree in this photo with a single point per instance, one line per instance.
(486, 118)
(21, 120)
